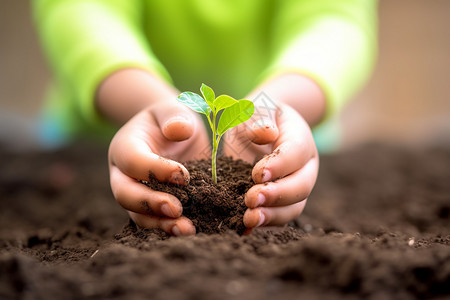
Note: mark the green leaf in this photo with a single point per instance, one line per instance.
(224, 101)
(194, 102)
(208, 93)
(234, 115)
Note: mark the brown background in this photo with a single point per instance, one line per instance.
(406, 101)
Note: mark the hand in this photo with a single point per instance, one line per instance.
(150, 142)
(286, 175)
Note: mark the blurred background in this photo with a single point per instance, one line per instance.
(407, 100)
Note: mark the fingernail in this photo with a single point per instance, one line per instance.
(165, 208)
(176, 231)
(263, 123)
(266, 175)
(260, 199)
(262, 218)
(177, 118)
(177, 177)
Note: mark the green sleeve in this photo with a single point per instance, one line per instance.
(333, 42)
(87, 40)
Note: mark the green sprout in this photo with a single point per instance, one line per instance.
(233, 113)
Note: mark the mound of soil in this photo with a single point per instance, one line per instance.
(213, 208)
(377, 226)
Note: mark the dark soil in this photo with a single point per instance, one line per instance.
(213, 208)
(377, 226)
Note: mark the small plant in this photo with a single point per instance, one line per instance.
(233, 113)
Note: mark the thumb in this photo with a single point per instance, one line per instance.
(262, 130)
(175, 121)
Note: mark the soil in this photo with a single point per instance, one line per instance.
(213, 208)
(377, 226)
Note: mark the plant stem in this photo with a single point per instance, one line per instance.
(214, 151)
(213, 162)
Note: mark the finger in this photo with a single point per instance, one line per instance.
(134, 196)
(294, 147)
(179, 226)
(262, 127)
(176, 122)
(132, 155)
(262, 131)
(272, 216)
(288, 190)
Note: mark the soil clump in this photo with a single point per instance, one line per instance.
(213, 208)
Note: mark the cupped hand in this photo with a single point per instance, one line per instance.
(151, 143)
(287, 163)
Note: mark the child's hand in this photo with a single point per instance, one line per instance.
(149, 143)
(284, 178)
(286, 175)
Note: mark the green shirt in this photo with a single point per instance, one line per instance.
(231, 45)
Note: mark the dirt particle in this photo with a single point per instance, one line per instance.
(146, 207)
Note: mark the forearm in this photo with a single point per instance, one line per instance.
(126, 92)
(297, 91)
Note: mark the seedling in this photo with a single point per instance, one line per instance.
(233, 113)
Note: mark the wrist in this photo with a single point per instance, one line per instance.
(299, 92)
(126, 92)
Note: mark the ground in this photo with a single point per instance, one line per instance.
(377, 226)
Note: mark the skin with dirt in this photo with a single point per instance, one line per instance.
(377, 226)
